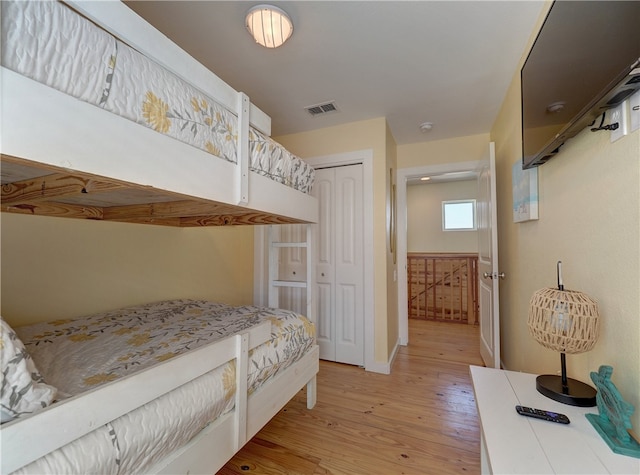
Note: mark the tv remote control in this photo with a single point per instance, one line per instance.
(540, 414)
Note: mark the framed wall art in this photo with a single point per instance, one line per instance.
(525, 193)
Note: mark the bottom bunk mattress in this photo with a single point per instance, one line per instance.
(81, 354)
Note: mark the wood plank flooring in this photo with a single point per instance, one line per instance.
(420, 419)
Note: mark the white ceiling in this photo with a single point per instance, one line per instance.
(446, 62)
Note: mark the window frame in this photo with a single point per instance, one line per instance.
(474, 214)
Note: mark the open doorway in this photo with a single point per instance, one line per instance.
(442, 249)
(446, 180)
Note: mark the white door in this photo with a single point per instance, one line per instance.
(489, 275)
(338, 243)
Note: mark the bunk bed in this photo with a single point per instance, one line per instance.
(67, 153)
(105, 118)
(117, 410)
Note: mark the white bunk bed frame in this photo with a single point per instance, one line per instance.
(27, 439)
(121, 171)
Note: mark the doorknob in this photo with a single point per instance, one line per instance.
(488, 275)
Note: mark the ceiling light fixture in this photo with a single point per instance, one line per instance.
(425, 178)
(270, 26)
(426, 126)
(556, 106)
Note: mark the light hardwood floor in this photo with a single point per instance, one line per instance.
(420, 419)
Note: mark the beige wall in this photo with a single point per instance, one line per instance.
(370, 134)
(82, 266)
(459, 149)
(55, 267)
(424, 218)
(590, 220)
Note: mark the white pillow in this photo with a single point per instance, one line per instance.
(22, 389)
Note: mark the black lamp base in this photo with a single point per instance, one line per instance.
(575, 393)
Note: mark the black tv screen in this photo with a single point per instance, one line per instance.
(584, 61)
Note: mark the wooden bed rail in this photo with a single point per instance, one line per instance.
(27, 439)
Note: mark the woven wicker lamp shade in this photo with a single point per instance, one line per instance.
(566, 321)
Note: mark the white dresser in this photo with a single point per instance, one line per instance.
(514, 444)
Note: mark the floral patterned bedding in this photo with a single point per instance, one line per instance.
(52, 44)
(80, 354)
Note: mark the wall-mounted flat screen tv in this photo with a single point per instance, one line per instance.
(584, 61)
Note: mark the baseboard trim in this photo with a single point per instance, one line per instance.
(384, 368)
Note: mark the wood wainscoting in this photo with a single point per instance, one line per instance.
(443, 287)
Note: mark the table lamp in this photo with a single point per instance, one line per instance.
(566, 321)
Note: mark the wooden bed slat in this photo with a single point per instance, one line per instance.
(171, 209)
(250, 218)
(51, 187)
(44, 190)
(55, 209)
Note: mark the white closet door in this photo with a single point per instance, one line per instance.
(349, 266)
(324, 244)
(339, 264)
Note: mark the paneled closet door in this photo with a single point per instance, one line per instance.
(338, 241)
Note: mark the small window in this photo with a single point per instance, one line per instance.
(459, 215)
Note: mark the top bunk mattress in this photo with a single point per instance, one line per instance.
(52, 44)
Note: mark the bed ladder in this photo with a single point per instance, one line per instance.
(277, 280)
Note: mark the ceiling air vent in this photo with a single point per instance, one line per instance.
(320, 109)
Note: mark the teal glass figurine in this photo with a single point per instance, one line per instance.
(613, 422)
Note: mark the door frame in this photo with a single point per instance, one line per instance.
(403, 174)
(364, 157)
